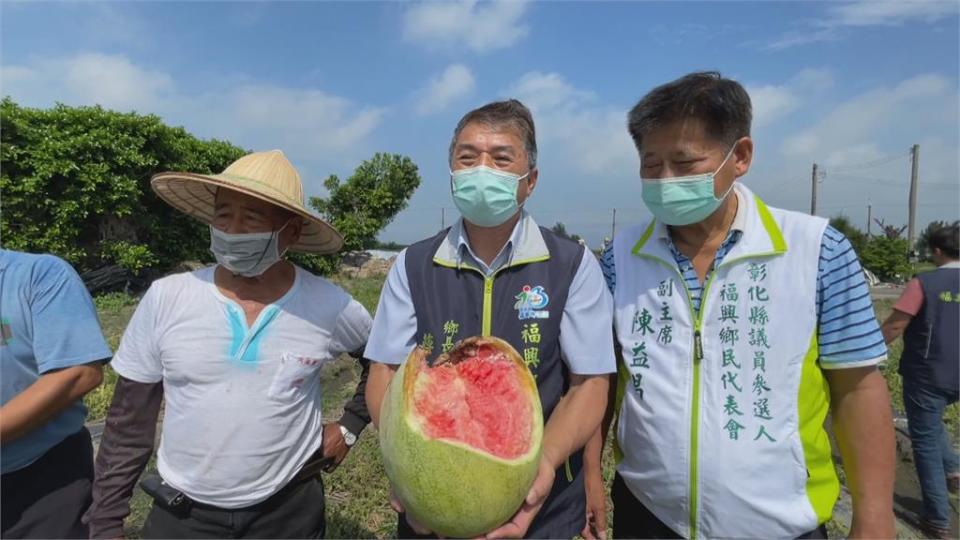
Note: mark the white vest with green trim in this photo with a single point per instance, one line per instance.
(720, 417)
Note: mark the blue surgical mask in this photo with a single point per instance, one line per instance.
(248, 254)
(683, 200)
(485, 197)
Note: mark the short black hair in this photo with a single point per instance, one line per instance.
(500, 113)
(947, 240)
(723, 106)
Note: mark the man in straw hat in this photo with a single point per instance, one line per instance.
(496, 272)
(235, 351)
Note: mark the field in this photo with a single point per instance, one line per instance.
(357, 491)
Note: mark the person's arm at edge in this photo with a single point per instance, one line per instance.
(377, 382)
(125, 448)
(68, 356)
(47, 397)
(863, 424)
(894, 326)
(356, 414)
(906, 308)
(860, 403)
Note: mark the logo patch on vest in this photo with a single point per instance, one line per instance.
(531, 303)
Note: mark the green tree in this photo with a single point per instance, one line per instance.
(857, 237)
(364, 204)
(560, 230)
(75, 182)
(887, 258)
(389, 246)
(890, 231)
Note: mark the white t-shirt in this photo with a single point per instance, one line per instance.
(242, 404)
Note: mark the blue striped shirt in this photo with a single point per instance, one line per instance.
(848, 335)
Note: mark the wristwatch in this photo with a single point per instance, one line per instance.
(348, 436)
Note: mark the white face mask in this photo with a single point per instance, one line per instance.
(248, 254)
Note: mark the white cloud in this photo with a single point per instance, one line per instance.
(454, 83)
(812, 80)
(841, 16)
(11, 74)
(477, 26)
(863, 152)
(773, 102)
(109, 80)
(548, 91)
(859, 120)
(862, 144)
(803, 144)
(804, 37)
(573, 129)
(114, 82)
(300, 120)
(309, 123)
(878, 12)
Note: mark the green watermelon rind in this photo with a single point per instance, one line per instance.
(447, 486)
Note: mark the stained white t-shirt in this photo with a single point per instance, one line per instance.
(243, 403)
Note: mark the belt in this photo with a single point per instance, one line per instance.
(310, 471)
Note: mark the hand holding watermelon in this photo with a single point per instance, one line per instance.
(461, 440)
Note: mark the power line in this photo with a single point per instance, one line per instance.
(890, 205)
(891, 182)
(873, 163)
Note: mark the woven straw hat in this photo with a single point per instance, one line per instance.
(268, 176)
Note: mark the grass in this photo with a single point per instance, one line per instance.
(357, 491)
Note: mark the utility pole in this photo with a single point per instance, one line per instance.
(813, 192)
(869, 218)
(443, 218)
(914, 180)
(613, 228)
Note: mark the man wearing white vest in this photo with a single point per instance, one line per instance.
(740, 326)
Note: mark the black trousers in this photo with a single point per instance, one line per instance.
(631, 519)
(47, 498)
(296, 511)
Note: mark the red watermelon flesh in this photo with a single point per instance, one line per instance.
(479, 401)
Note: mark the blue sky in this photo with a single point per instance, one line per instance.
(850, 86)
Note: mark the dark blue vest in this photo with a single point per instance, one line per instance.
(931, 342)
(522, 304)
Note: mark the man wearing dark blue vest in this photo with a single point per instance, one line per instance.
(495, 272)
(928, 315)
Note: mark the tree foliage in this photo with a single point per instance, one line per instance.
(887, 258)
(561, 230)
(364, 204)
(858, 239)
(890, 231)
(75, 182)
